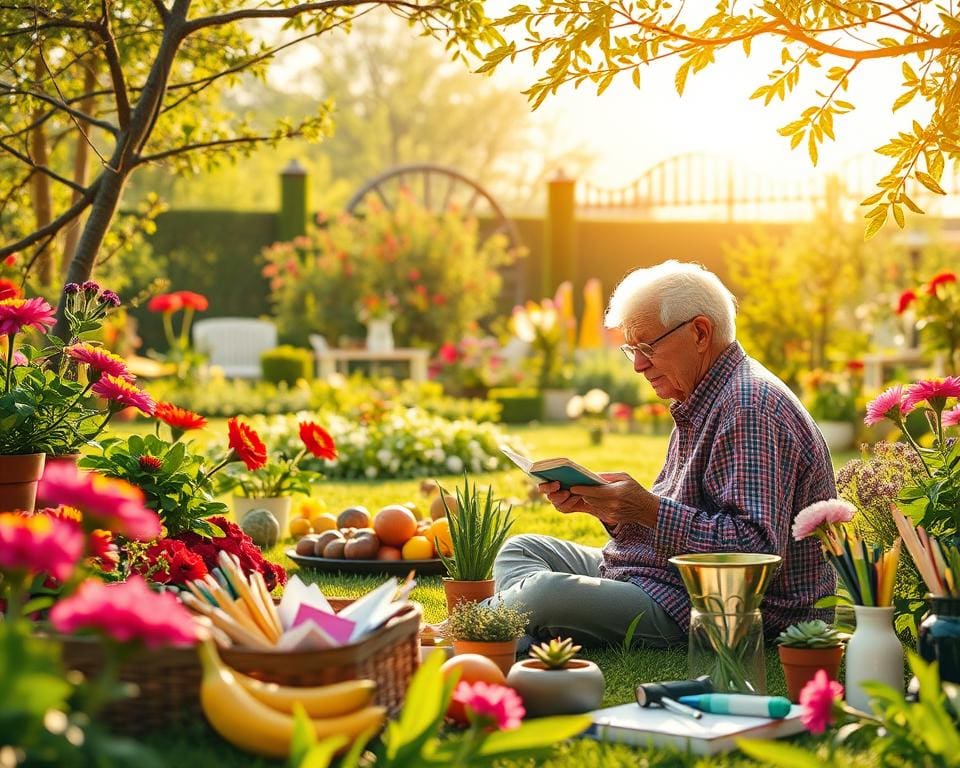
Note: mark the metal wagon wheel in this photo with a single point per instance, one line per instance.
(437, 188)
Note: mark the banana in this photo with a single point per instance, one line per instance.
(249, 724)
(319, 701)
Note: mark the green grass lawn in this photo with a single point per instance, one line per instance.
(196, 745)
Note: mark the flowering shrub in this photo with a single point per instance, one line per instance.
(936, 306)
(435, 269)
(47, 395)
(830, 396)
(396, 442)
(540, 326)
(179, 352)
(473, 364)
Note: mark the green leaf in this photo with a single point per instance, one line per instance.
(304, 736)
(780, 754)
(534, 734)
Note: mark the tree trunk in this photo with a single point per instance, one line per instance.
(81, 159)
(40, 183)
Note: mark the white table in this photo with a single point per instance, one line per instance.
(329, 360)
(877, 365)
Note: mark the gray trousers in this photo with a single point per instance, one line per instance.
(558, 582)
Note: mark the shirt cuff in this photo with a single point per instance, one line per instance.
(672, 534)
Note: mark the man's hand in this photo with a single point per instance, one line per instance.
(622, 500)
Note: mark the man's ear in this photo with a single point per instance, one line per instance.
(703, 327)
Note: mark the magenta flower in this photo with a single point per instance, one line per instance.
(106, 503)
(17, 314)
(489, 704)
(39, 544)
(887, 405)
(19, 358)
(809, 519)
(817, 698)
(126, 611)
(934, 391)
(951, 418)
(98, 359)
(119, 390)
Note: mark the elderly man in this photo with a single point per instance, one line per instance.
(744, 457)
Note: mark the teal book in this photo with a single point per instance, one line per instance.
(567, 472)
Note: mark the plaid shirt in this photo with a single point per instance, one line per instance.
(744, 458)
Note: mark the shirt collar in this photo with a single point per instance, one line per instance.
(695, 408)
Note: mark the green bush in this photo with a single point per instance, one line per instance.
(430, 273)
(519, 406)
(607, 369)
(286, 364)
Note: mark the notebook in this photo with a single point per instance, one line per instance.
(566, 471)
(653, 726)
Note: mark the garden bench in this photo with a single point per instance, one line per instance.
(235, 343)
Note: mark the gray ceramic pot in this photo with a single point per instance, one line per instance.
(576, 688)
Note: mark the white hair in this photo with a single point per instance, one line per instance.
(680, 291)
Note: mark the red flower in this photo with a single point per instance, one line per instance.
(166, 303)
(941, 278)
(855, 366)
(150, 463)
(317, 440)
(439, 299)
(9, 289)
(179, 418)
(906, 299)
(103, 551)
(10, 260)
(191, 300)
(246, 443)
(186, 566)
(448, 353)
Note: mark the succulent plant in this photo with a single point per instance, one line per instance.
(556, 653)
(810, 634)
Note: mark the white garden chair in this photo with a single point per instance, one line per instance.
(235, 344)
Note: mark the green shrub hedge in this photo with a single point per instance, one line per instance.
(519, 406)
(287, 364)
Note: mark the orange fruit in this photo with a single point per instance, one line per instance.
(473, 668)
(323, 522)
(395, 525)
(439, 535)
(418, 548)
(436, 506)
(300, 526)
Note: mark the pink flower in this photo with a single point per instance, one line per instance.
(448, 353)
(887, 405)
(17, 314)
(931, 390)
(951, 418)
(817, 699)
(490, 704)
(126, 611)
(809, 519)
(40, 544)
(106, 503)
(119, 390)
(19, 358)
(98, 359)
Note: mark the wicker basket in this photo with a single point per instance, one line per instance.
(169, 679)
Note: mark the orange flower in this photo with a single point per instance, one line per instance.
(179, 418)
(246, 443)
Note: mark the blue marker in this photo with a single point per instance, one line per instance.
(739, 704)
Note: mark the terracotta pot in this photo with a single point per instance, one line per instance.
(576, 688)
(466, 591)
(801, 664)
(503, 654)
(19, 475)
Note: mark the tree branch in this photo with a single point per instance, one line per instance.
(63, 105)
(161, 9)
(297, 10)
(116, 68)
(157, 156)
(54, 226)
(25, 159)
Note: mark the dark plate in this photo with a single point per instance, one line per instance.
(432, 567)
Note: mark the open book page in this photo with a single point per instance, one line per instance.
(561, 469)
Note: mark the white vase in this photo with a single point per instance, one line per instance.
(874, 653)
(380, 335)
(278, 505)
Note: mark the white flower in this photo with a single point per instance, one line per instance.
(384, 456)
(455, 464)
(575, 407)
(371, 471)
(596, 401)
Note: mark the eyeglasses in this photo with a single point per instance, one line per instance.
(646, 348)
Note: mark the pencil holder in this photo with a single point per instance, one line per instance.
(874, 653)
(729, 648)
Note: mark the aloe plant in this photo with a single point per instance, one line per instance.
(555, 654)
(477, 531)
(810, 634)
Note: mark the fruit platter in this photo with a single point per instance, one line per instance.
(393, 540)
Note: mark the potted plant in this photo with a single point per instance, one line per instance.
(831, 399)
(488, 630)
(805, 648)
(478, 528)
(553, 682)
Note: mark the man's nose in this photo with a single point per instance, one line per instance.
(641, 362)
